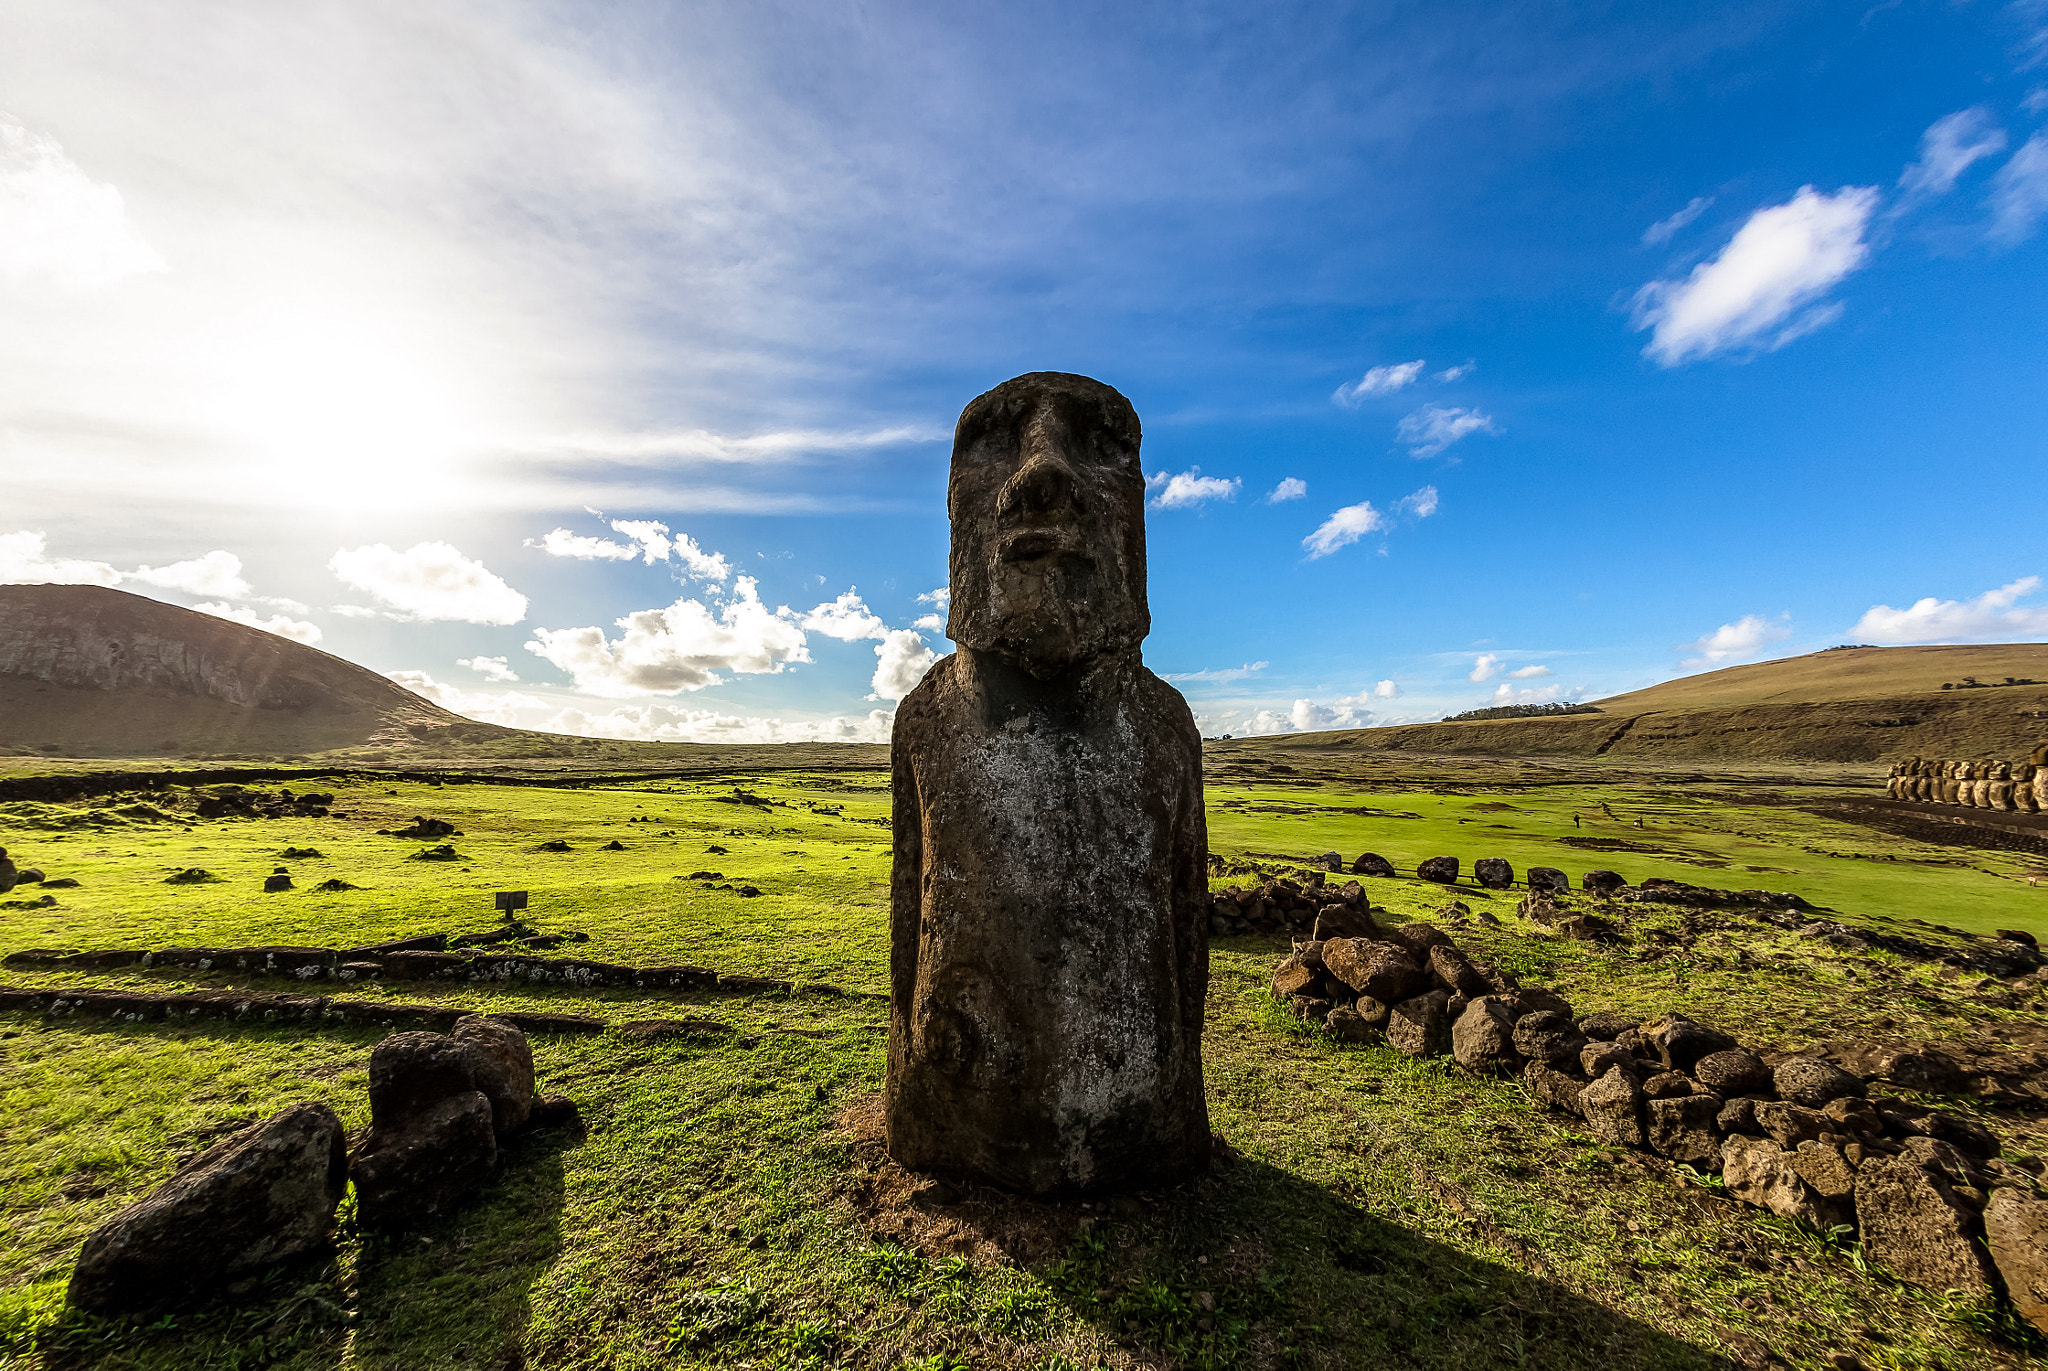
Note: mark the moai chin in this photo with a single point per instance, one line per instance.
(1049, 902)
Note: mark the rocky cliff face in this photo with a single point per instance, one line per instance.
(103, 672)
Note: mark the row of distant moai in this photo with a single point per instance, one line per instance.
(1983, 783)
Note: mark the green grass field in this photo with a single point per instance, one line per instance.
(728, 1206)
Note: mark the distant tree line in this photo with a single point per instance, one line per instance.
(1519, 712)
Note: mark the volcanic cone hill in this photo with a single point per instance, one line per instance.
(93, 672)
(1863, 704)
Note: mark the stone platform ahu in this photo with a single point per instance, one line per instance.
(1049, 951)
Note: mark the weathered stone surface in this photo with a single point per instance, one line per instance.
(1824, 1169)
(1372, 864)
(1374, 1012)
(1349, 1026)
(1733, 1072)
(2016, 1230)
(244, 1206)
(1613, 1108)
(406, 1176)
(1679, 1042)
(1443, 870)
(1450, 970)
(1538, 907)
(1788, 1125)
(1596, 1058)
(1588, 928)
(504, 1069)
(1419, 938)
(1683, 1130)
(1384, 971)
(1605, 1028)
(1737, 1116)
(1855, 1116)
(1534, 999)
(1493, 873)
(1549, 878)
(1483, 1038)
(1049, 935)
(1292, 978)
(1549, 1086)
(1601, 882)
(1550, 1037)
(1668, 1085)
(1761, 1173)
(1913, 1224)
(1345, 921)
(1420, 1026)
(412, 1073)
(1812, 1082)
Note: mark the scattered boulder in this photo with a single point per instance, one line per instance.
(1825, 1171)
(2016, 1230)
(1374, 1012)
(1330, 861)
(1550, 880)
(442, 852)
(1384, 971)
(1371, 864)
(1538, 907)
(1345, 921)
(504, 1068)
(1854, 1116)
(423, 827)
(1737, 1116)
(1913, 1223)
(1811, 1082)
(1613, 1107)
(1682, 1128)
(1733, 1072)
(433, 1137)
(1549, 1037)
(1588, 928)
(1483, 1038)
(1442, 870)
(277, 880)
(1601, 882)
(248, 1204)
(1493, 873)
(1421, 1026)
(191, 875)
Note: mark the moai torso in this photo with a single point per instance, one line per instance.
(1048, 948)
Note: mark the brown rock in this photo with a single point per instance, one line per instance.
(1372, 864)
(1601, 882)
(1039, 772)
(1549, 1086)
(1737, 1116)
(1733, 1072)
(1668, 1085)
(1374, 1012)
(1384, 971)
(252, 1202)
(1292, 978)
(1854, 1115)
(1442, 870)
(1596, 1058)
(1613, 1108)
(1682, 1129)
(1550, 1037)
(1550, 879)
(1493, 873)
(2016, 1230)
(1812, 1082)
(1453, 973)
(1345, 921)
(1348, 1026)
(1419, 938)
(1761, 1173)
(403, 1178)
(1912, 1223)
(1788, 1125)
(1483, 1037)
(1825, 1170)
(1679, 1042)
(1605, 1028)
(504, 1069)
(1420, 1026)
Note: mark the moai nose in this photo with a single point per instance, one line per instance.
(1044, 484)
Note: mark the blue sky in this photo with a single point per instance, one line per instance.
(1498, 355)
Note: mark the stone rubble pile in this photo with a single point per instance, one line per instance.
(1927, 1190)
(1982, 783)
(440, 1106)
(236, 802)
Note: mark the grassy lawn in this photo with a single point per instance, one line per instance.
(729, 1206)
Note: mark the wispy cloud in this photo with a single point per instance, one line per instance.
(1378, 381)
(298, 630)
(1431, 429)
(1290, 488)
(1233, 673)
(2019, 192)
(1187, 489)
(1661, 231)
(1343, 528)
(1948, 148)
(431, 581)
(1782, 261)
(1420, 505)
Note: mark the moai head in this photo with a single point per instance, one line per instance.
(2001, 772)
(1048, 507)
(1966, 771)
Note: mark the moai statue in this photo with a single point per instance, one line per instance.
(1919, 782)
(2023, 797)
(2040, 787)
(1891, 779)
(1049, 902)
(2000, 792)
(1952, 783)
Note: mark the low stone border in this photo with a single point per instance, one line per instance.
(123, 1006)
(1927, 1191)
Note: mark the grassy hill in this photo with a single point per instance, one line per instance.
(1874, 704)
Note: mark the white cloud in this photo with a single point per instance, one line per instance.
(1485, 667)
(1189, 488)
(1947, 149)
(930, 623)
(902, 661)
(847, 618)
(651, 536)
(2019, 192)
(25, 561)
(491, 668)
(1433, 428)
(1991, 617)
(1746, 637)
(1304, 716)
(1234, 673)
(682, 647)
(1420, 505)
(1505, 694)
(560, 542)
(1529, 673)
(1457, 373)
(1290, 488)
(942, 597)
(298, 630)
(1782, 260)
(1343, 528)
(429, 581)
(669, 724)
(57, 224)
(1379, 381)
(504, 707)
(1661, 231)
(701, 445)
(2036, 100)
(1386, 690)
(217, 573)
